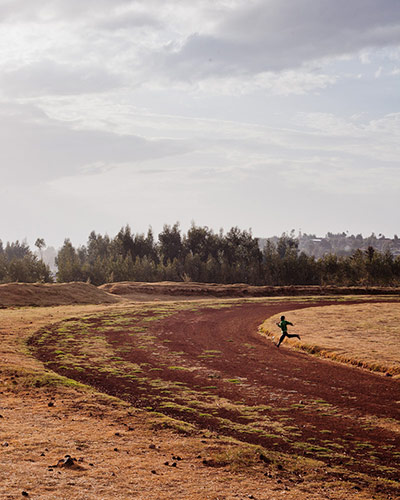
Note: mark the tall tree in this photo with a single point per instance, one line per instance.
(171, 246)
(40, 243)
(69, 264)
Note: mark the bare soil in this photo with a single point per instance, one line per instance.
(210, 367)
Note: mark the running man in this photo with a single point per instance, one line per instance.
(283, 326)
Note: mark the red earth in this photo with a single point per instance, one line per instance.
(211, 367)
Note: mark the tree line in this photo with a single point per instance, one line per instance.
(19, 263)
(199, 255)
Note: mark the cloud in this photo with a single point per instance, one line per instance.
(128, 20)
(340, 176)
(70, 46)
(36, 148)
(322, 153)
(48, 77)
(184, 108)
(376, 140)
(276, 35)
(54, 10)
(280, 84)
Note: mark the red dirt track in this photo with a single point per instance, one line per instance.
(336, 413)
(278, 369)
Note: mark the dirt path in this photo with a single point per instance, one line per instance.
(248, 356)
(321, 395)
(212, 368)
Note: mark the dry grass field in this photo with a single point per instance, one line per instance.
(366, 335)
(123, 452)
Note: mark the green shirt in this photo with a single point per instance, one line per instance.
(283, 325)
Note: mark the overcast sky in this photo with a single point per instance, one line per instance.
(266, 114)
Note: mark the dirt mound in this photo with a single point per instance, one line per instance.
(54, 294)
(181, 290)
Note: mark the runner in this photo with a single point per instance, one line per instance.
(283, 326)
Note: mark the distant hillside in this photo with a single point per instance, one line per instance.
(341, 243)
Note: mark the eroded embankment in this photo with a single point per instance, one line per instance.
(53, 294)
(169, 289)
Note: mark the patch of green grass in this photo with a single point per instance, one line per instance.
(205, 415)
(364, 446)
(312, 448)
(332, 444)
(161, 421)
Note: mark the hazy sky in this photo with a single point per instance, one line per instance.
(272, 115)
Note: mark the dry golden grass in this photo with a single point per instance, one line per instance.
(366, 335)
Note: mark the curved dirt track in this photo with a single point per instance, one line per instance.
(294, 374)
(237, 383)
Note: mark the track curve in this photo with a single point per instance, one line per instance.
(211, 367)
